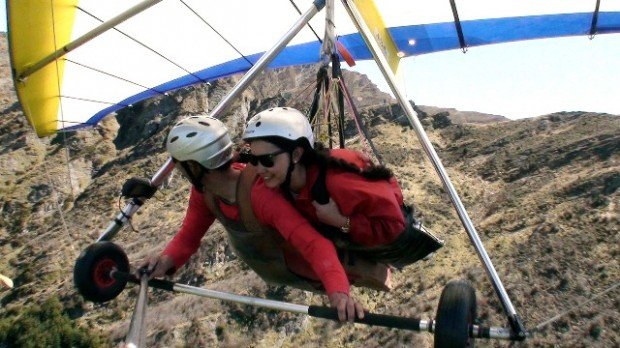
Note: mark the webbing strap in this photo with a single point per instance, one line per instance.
(321, 78)
(244, 200)
(328, 116)
(358, 120)
(337, 73)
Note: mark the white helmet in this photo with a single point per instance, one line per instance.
(202, 139)
(285, 122)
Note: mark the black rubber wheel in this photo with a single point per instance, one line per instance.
(91, 273)
(455, 315)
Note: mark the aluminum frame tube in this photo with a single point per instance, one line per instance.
(265, 59)
(163, 172)
(134, 205)
(102, 28)
(329, 40)
(434, 158)
(252, 301)
(136, 335)
(476, 331)
(115, 225)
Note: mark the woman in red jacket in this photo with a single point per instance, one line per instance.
(223, 189)
(338, 188)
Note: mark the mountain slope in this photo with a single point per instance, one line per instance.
(543, 194)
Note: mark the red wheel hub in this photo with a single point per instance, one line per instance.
(101, 274)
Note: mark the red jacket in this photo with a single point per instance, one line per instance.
(373, 207)
(198, 219)
(316, 256)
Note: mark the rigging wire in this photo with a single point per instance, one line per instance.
(358, 120)
(296, 99)
(92, 100)
(145, 46)
(64, 140)
(309, 26)
(555, 318)
(114, 76)
(218, 33)
(62, 115)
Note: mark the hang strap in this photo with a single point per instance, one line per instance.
(337, 73)
(244, 199)
(358, 120)
(321, 78)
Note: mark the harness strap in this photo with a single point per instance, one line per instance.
(244, 199)
(413, 244)
(358, 120)
(260, 247)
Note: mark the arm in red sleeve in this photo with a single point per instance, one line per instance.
(373, 207)
(273, 210)
(197, 221)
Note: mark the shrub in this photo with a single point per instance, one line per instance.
(46, 325)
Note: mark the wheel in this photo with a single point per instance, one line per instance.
(91, 273)
(455, 315)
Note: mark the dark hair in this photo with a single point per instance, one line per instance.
(320, 155)
(225, 166)
(196, 178)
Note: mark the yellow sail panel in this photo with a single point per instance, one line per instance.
(36, 29)
(372, 17)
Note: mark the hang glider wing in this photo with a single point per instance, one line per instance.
(177, 43)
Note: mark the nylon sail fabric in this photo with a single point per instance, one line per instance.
(177, 43)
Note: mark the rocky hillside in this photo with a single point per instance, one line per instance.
(542, 192)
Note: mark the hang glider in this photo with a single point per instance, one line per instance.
(74, 63)
(105, 62)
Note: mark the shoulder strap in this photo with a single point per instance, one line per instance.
(244, 199)
(209, 200)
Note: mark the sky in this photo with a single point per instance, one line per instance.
(516, 80)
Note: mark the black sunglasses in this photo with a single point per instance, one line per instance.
(266, 160)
